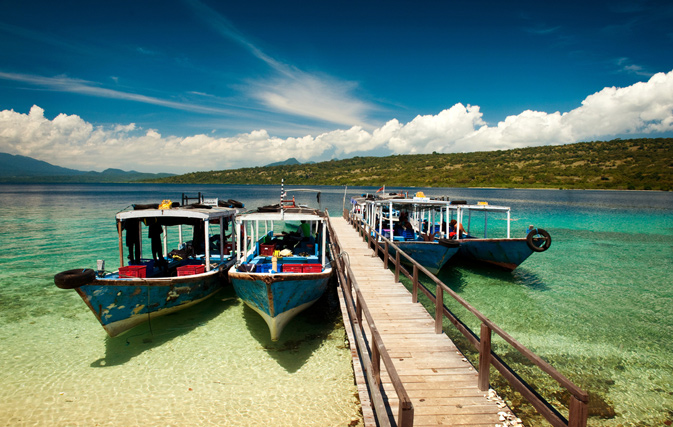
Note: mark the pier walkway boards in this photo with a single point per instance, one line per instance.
(439, 382)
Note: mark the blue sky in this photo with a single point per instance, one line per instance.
(181, 86)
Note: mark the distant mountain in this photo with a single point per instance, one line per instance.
(288, 162)
(14, 168)
(11, 165)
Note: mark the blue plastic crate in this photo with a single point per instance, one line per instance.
(263, 268)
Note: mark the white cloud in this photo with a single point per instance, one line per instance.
(425, 134)
(68, 140)
(291, 90)
(83, 87)
(349, 141)
(287, 90)
(301, 94)
(644, 107)
(33, 135)
(626, 66)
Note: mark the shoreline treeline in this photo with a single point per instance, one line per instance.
(633, 164)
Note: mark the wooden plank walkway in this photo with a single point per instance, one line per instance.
(441, 383)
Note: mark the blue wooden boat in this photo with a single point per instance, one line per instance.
(427, 230)
(280, 273)
(432, 255)
(505, 252)
(167, 282)
(408, 219)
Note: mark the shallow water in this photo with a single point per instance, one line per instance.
(596, 305)
(212, 364)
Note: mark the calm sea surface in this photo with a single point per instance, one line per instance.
(597, 305)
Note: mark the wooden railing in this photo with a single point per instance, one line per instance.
(578, 405)
(372, 354)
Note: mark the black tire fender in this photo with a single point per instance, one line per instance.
(449, 243)
(235, 203)
(75, 278)
(538, 240)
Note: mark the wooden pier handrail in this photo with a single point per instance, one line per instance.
(376, 352)
(578, 405)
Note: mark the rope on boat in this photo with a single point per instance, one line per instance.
(124, 209)
(149, 318)
(342, 254)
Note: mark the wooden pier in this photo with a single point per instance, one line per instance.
(409, 373)
(439, 381)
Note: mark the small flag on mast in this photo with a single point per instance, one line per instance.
(381, 189)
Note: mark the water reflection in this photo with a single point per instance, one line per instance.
(458, 277)
(302, 336)
(161, 330)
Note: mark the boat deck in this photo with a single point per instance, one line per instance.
(441, 383)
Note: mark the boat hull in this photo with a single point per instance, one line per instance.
(281, 296)
(121, 304)
(431, 255)
(504, 253)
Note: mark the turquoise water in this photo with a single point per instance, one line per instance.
(212, 364)
(597, 305)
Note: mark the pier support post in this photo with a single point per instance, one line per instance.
(414, 289)
(439, 309)
(578, 413)
(397, 266)
(358, 311)
(385, 255)
(484, 357)
(376, 362)
(405, 415)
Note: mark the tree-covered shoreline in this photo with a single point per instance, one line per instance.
(634, 164)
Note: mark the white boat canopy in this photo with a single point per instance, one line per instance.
(193, 213)
(179, 216)
(246, 238)
(433, 210)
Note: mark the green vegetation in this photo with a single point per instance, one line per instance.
(635, 164)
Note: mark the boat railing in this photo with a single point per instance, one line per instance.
(186, 199)
(578, 404)
(371, 355)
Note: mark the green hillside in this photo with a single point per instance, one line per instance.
(636, 164)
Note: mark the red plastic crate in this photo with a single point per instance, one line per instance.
(292, 268)
(266, 250)
(188, 270)
(133, 271)
(311, 268)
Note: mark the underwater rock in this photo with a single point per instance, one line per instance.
(599, 407)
